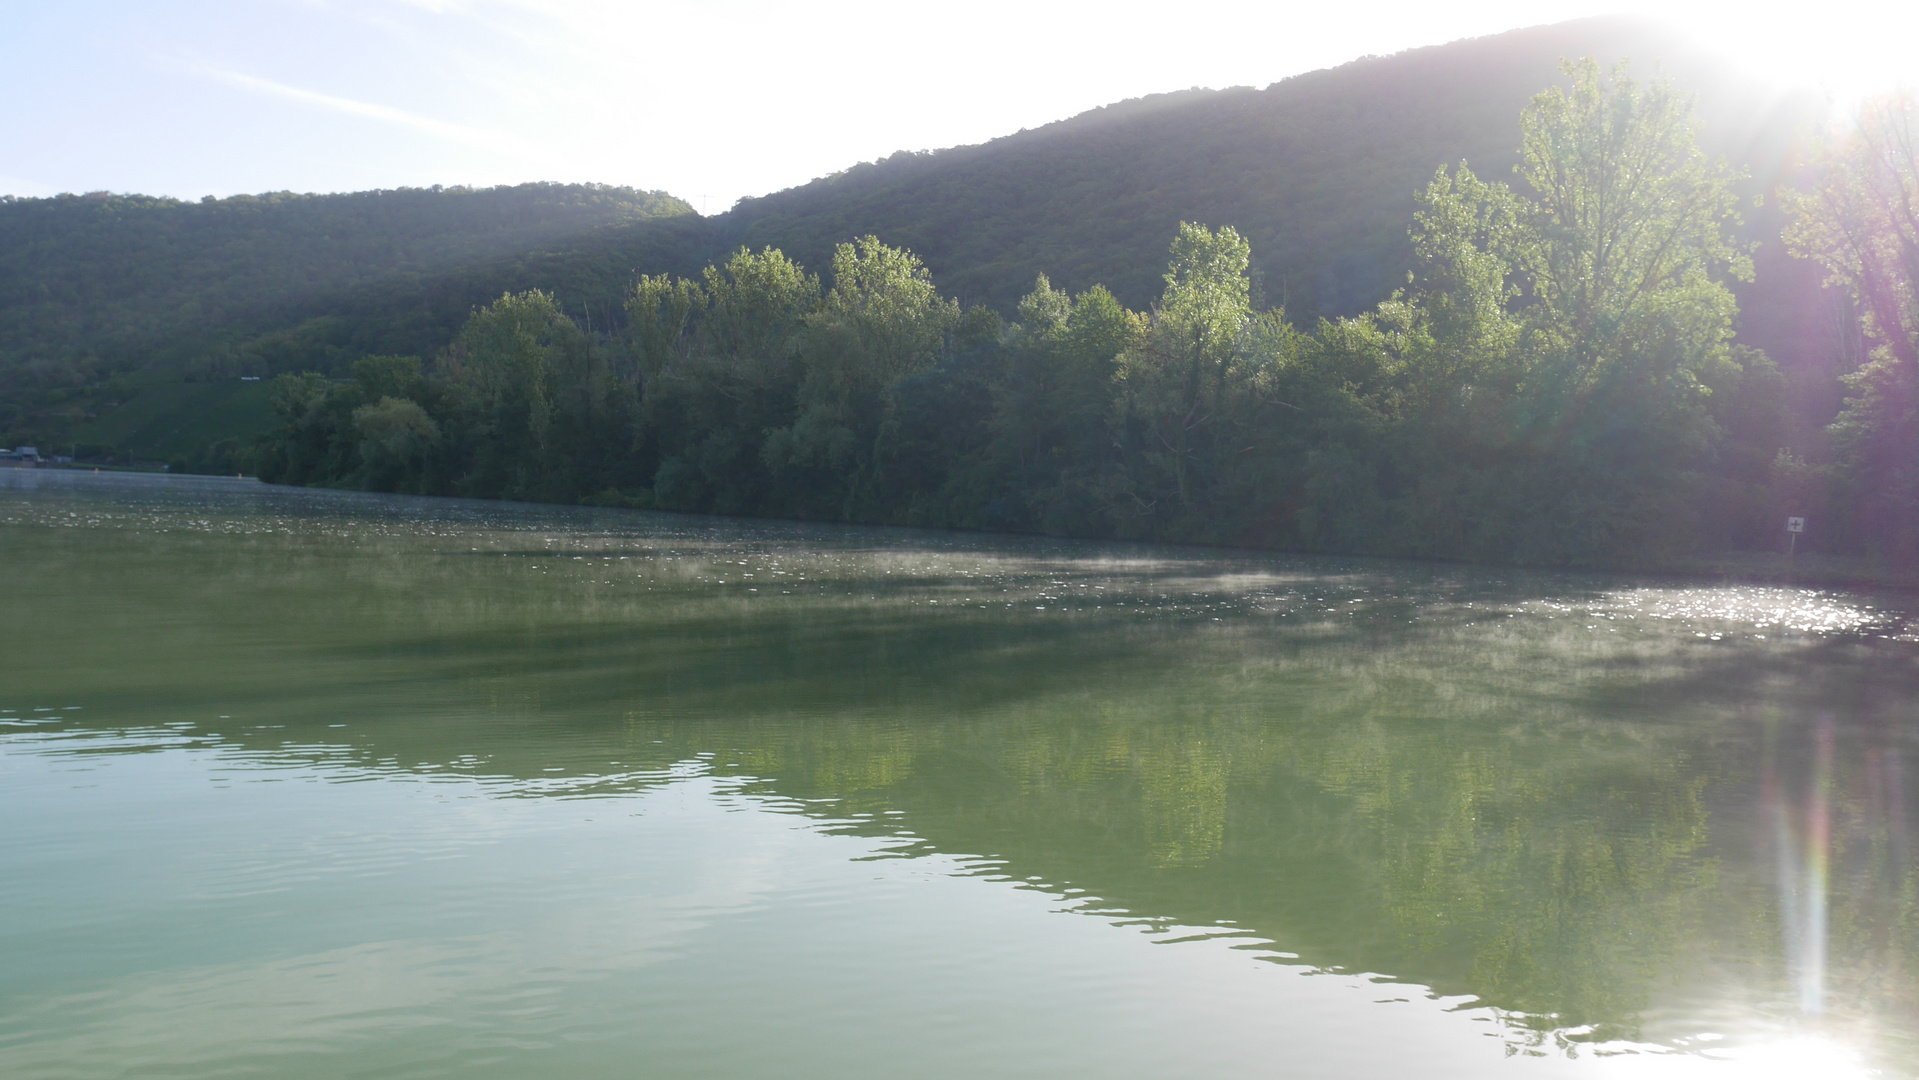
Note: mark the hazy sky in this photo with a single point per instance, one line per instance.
(710, 101)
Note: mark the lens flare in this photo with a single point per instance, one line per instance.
(1802, 866)
(1812, 962)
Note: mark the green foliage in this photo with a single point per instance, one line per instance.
(1859, 222)
(207, 292)
(1629, 245)
(1055, 389)
(1318, 173)
(1181, 382)
(881, 323)
(1557, 383)
(719, 363)
(523, 405)
(396, 434)
(389, 376)
(532, 402)
(1548, 373)
(140, 419)
(316, 442)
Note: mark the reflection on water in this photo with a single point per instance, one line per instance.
(316, 782)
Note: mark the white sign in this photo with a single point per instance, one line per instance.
(1795, 524)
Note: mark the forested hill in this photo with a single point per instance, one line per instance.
(1317, 171)
(131, 280)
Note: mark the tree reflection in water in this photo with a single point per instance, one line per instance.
(1608, 810)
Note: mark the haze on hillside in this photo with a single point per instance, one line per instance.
(709, 102)
(1319, 171)
(1397, 362)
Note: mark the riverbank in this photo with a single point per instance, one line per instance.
(1833, 571)
(1805, 569)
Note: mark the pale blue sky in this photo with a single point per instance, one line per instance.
(708, 101)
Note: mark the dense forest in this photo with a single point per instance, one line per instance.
(101, 285)
(1347, 350)
(1559, 382)
(1318, 172)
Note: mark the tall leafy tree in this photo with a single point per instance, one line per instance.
(529, 397)
(721, 357)
(1054, 400)
(1861, 221)
(1178, 380)
(882, 321)
(1580, 321)
(396, 437)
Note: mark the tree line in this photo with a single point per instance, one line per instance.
(1557, 382)
(98, 289)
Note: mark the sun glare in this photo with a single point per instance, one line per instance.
(1847, 51)
(1799, 1058)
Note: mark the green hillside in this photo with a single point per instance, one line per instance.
(1317, 171)
(167, 419)
(124, 277)
(102, 285)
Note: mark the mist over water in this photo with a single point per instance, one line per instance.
(305, 782)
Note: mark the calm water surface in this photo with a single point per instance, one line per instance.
(301, 783)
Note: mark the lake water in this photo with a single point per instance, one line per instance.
(322, 784)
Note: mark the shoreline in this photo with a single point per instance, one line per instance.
(1810, 570)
